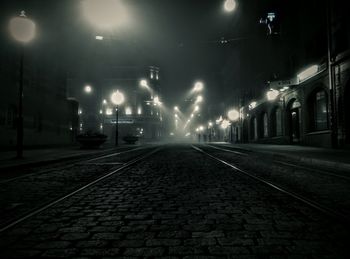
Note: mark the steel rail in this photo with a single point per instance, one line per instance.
(58, 200)
(78, 162)
(318, 171)
(315, 205)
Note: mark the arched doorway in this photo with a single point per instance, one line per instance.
(294, 121)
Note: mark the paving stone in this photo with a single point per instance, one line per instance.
(99, 252)
(154, 251)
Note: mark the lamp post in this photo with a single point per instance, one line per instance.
(22, 30)
(117, 98)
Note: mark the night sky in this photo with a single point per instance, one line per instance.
(182, 37)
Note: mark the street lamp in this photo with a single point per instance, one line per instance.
(117, 98)
(22, 30)
(88, 89)
(272, 94)
(144, 83)
(199, 99)
(198, 87)
(230, 5)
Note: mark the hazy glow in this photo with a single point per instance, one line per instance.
(225, 124)
(109, 111)
(252, 105)
(139, 111)
(176, 116)
(198, 87)
(156, 101)
(104, 101)
(201, 128)
(196, 108)
(272, 94)
(99, 37)
(101, 111)
(192, 115)
(144, 83)
(199, 99)
(210, 124)
(230, 5)
(176, 108)
(22, 29)
(219, 120)
(307, 73)
(88, 89)
(233, 115)
(117, 98)
(104, 14)
(128, 111)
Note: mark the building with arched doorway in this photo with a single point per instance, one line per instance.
(305, 110)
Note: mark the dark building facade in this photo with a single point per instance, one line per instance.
(45, 105)
(303, 110)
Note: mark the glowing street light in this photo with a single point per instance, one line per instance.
(198, 87)
(199, 99)
(230, 5)
(22, 30)
(87, 89)
(225, 124)
(156, 101)
(252, 105)
(196, 109)
(104, 102)
(176, 108)
(272, 94)
(117, 99)
(233, 115)
(144, 83)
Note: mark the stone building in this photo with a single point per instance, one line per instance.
(302, 110)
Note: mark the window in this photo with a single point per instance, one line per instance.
(320, 111)
(266, 125)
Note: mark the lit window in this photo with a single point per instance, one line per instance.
(109, 111)
(128, 111)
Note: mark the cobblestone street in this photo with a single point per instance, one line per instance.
(177, 203)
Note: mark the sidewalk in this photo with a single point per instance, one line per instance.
(49, 155)
(338, 159)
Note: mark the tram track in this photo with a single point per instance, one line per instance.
(280, 188)
(106, 169)
(38, 171)
(296, 166)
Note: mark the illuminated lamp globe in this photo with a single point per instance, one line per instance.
(22, 29)
(233, 115)
(230, 5)
(117, 98)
